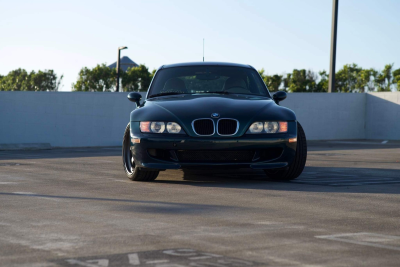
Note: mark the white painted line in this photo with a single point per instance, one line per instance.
(8, 183)
(332, 178)
(340, 178)
(358, 234)
(122, 181)
(89, 263)
(384, 142)
(104, 161)
(206, 256)
(354, 180)
(342, 238)
(348, 184)
(361, 183)
(354, 142)
(23, 193)
(157, 261)
(133, 259)
(200, 258)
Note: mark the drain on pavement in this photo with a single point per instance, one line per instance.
(159, 258)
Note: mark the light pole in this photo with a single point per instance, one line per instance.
(119, 56)
(335, 8)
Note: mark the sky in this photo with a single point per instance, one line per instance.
(278, 36)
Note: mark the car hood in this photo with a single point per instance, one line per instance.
(185, 108)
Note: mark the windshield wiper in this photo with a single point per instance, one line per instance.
(169, 93)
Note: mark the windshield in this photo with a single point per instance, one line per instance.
(206, 80)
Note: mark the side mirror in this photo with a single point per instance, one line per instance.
(135, 97)
(279, 96)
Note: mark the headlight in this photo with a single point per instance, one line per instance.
(271, 126)
(256, 127)
(173, 127)
(268, 127)
(161, 127)
(157, 127)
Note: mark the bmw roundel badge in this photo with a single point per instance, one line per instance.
(214, 115)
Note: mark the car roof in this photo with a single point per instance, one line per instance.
(207, 63)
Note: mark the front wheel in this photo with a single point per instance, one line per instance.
(133, 172)
(297, 166)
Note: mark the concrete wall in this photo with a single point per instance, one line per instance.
(65, 119)
(329, 116)
(383, 116)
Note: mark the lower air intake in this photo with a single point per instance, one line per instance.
(198, 156)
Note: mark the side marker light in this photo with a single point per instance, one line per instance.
(135, 140)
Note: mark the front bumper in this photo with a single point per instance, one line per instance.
(142, 146)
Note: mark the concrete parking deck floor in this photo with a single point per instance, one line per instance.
(74, 207)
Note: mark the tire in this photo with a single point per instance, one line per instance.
(297, 166)
(133, 172)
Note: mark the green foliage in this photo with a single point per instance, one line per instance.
(297, 81)
(302, 81)
(346, 79)
(384, 80)
(99, 79)
(396, 78)
(21, 80)
(349, 79)
(366, 80)
(103, 79)
(152, 74)
(322, 85)
(273, 82)
(137, 79)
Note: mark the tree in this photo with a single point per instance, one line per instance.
(16, 80)
(323, 83)
(346, 78)
(298, 81)
(103, 79)
(273, 82)
(301, 81)
(45, 81)
(396, 78)
(311, 81)
(366, 80)
(152, 74)
(99, 79)
(384, 80)
(21, 80)
(136, 79)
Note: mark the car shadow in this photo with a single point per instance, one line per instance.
(313, 179)
(83, 152)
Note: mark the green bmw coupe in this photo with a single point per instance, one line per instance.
(207, 115)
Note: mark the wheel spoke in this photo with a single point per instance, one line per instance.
(131, 160)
